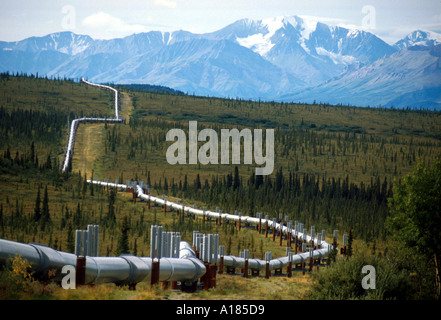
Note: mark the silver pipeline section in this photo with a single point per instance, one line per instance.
(125, 269)
(323, 247)
(75, 123)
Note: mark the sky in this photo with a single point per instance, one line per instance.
(391, 20)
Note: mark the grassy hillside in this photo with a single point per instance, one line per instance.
(361, 149)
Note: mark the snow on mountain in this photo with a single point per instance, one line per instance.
(215, 67)
(307, 48)
(337, 58)
(400, 80)
(296, 57)
(261, 42)
(420, 38)
(64, 42)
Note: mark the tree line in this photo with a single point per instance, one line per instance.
(326, 202)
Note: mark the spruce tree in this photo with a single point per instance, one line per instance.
(70, 239)
(45, 214)
(92, 192)
(111, 207)
(1, 215)
(349, 248)
(77, 217)
(236, 180)
(37, 209)
(333, 253)
(123, 241)
(135, 249)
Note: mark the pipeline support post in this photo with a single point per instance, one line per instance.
(289, 269)
(205, 279)
(281, 235)
(266, 229)
(165, 204)
(245, 270)
(155, 273)
(80, 272)
(267, 271)
(268, 257)
(134, 195)
(221, 265)
(213, 270)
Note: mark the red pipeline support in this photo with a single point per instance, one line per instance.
(296, 244)
(155, 273)
(266, 229)
(289, 269)
(245, 271)
(80, 272)
(213, 269)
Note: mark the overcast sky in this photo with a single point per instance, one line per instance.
(391, 20)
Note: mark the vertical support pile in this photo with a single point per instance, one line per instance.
(274, 229)
(165, 204)
(221, 258)
(207, 249)
(268, 257)
(155, 252)
(86, 244)
(246, 256)
(345, 243)
(289, 267)
(266, 225)
(240, 220)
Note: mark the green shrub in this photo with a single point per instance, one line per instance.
(343, 279)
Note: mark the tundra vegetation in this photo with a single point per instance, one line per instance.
(335, 167)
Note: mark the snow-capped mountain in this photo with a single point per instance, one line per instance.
(63, 42)
(407, 78)
(307, 48)
(419, 38)
(280, 58)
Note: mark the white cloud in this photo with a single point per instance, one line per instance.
(165, 3)
(109, 26)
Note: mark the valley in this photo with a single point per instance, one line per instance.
(334, 166)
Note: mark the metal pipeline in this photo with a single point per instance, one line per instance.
(130, 268)
(76, 122)
(109, 88)
(125, 269)
(232, 261)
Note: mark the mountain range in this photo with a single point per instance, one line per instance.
(290, 59)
